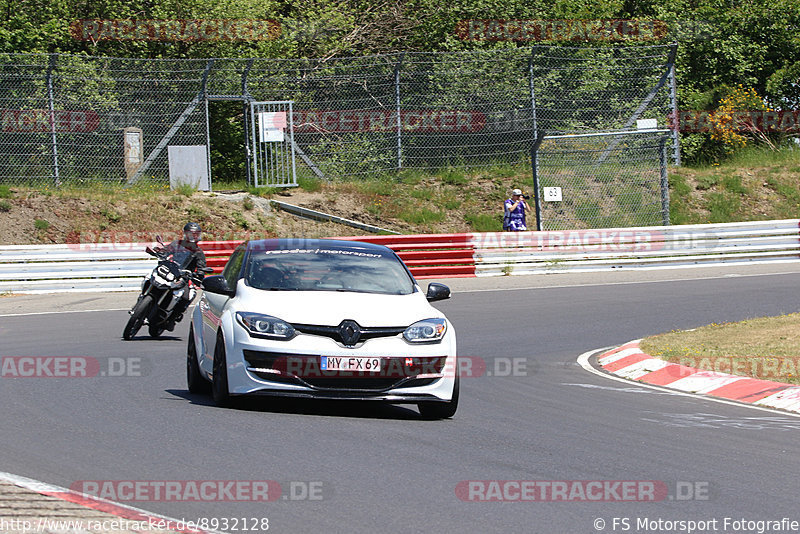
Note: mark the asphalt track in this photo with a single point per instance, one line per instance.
(382, 468)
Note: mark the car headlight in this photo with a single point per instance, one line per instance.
(426, 331)
(259, 325)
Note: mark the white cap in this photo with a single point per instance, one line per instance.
(516, 192)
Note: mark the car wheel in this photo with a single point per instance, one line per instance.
(441, 410)
(194, 378)
(140, 311)
(219, 380)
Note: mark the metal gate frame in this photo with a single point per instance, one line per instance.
(617, 135)
(273, 165)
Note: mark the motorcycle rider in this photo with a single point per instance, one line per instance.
(192, 233)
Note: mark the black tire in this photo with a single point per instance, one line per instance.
(155, 330)
(194, 378)
(140, 312)
(219, 379)
(441, 410)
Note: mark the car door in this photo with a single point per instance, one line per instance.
(212, 306)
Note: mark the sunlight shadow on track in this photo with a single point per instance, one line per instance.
(317, 407)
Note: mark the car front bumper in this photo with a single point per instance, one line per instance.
(409, 373)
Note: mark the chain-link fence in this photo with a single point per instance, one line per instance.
(602, 180)
(85, 119)
(69, 118)
(63, 117)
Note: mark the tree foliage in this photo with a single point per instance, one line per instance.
(722, 43)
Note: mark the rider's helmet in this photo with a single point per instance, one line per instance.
(192, 232)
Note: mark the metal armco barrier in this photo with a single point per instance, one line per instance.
(431, 255)
(121, 266)
(656, 247)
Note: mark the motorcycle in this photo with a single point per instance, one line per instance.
(162, 290)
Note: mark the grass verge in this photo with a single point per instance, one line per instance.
(767, 348)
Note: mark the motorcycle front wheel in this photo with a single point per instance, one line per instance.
(155, 330)
(140, 312)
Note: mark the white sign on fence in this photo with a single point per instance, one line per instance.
(271, 125)
(552, 194)
(646, 124)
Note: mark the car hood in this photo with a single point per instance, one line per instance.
(332, 307)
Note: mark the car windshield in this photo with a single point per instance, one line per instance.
(328, 269)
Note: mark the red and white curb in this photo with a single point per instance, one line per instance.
(102, 505)
(629, 362)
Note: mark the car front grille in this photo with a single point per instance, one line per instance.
(305, 369)
(358, 333)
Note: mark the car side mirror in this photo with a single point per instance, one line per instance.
(219, 285)
(437, 291)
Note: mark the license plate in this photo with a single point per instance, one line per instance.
(350, 363)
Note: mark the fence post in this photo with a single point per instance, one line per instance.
(536, 143)
(51, 105)
(397, 105)
(662, 149)
(539, 137)
(673, 97)
(208, 149)
(246, 99)
(532, 90)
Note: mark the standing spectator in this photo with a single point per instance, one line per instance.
(514, 210)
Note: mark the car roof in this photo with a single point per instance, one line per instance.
(335, 244)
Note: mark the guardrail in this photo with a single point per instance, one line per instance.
(636, 248)
(121, 266)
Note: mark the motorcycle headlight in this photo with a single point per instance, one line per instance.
(165, 273)
(426, 331)
(259, 325)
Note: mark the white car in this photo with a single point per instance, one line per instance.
(322, 319)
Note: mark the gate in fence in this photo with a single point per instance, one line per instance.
(601, 180)
(272, 144)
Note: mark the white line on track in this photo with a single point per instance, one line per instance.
(583, 361)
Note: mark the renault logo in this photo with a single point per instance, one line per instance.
(349, 332)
